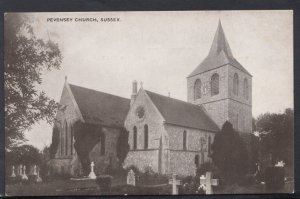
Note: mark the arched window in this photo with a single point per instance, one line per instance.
(146, 136)
(61, 139)
(102, 140)
(215, 84)
(246, 89)
(209, 146)
(66, 138)
(134, 137)
(184, 140)
(72, 138)
(237, 122)
(197, 89)
(236, 84)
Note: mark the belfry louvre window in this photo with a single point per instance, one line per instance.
(236, 84)
(197, 89)
(215, 84)
(246, 89)
(146, 136)
(134, 137)
(184, 141)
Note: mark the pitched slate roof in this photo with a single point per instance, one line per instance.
(219, 54)
(182, 113)
(100, 108)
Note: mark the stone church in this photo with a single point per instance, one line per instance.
(166, 135)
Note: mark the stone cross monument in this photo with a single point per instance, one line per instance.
(92, 174)
(207, 182)
(174, 184)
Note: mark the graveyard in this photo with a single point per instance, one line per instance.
(131, 183)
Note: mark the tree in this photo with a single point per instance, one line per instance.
(276, 133)
(25, 58)
(229, 153)
(25, 154)
(122, 145)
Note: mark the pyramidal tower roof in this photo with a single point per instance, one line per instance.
(220, 54)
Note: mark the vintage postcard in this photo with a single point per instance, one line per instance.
(149, 103)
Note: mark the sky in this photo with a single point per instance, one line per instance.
(161, 49)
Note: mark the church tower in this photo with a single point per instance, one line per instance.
(222, 86)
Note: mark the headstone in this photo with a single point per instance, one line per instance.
(20, 170)
(131, 178)
(13, 175)
(174, 182)
(38, 179)
(24, 176)
(34, 170)
(280, 164)
(92, 174)
(206, 183)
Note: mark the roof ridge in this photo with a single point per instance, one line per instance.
(98, 91)
(182, 113)
(188, 103)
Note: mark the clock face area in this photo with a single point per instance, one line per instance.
(140, 112)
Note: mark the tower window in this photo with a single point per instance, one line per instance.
(134, 137)
(236, 84)
(146, 136)
(197, 89)
(246, 89)
(215, 84)
(184, 141)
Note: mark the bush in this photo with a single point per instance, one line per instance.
(134, 169)
(274, 178)
(104, 183)
(228, 143)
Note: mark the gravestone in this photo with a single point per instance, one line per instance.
(20, 170)
(38, 178)
(175, 183)
(34, 170)
(24, 176)
(280, 164)
(13, 175)
(92, 174)
(206, 183)
(131, 178)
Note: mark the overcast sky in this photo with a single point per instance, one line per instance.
(162, 48)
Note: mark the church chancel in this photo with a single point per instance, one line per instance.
(169, 135)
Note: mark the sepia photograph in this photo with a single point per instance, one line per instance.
(149, 103)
